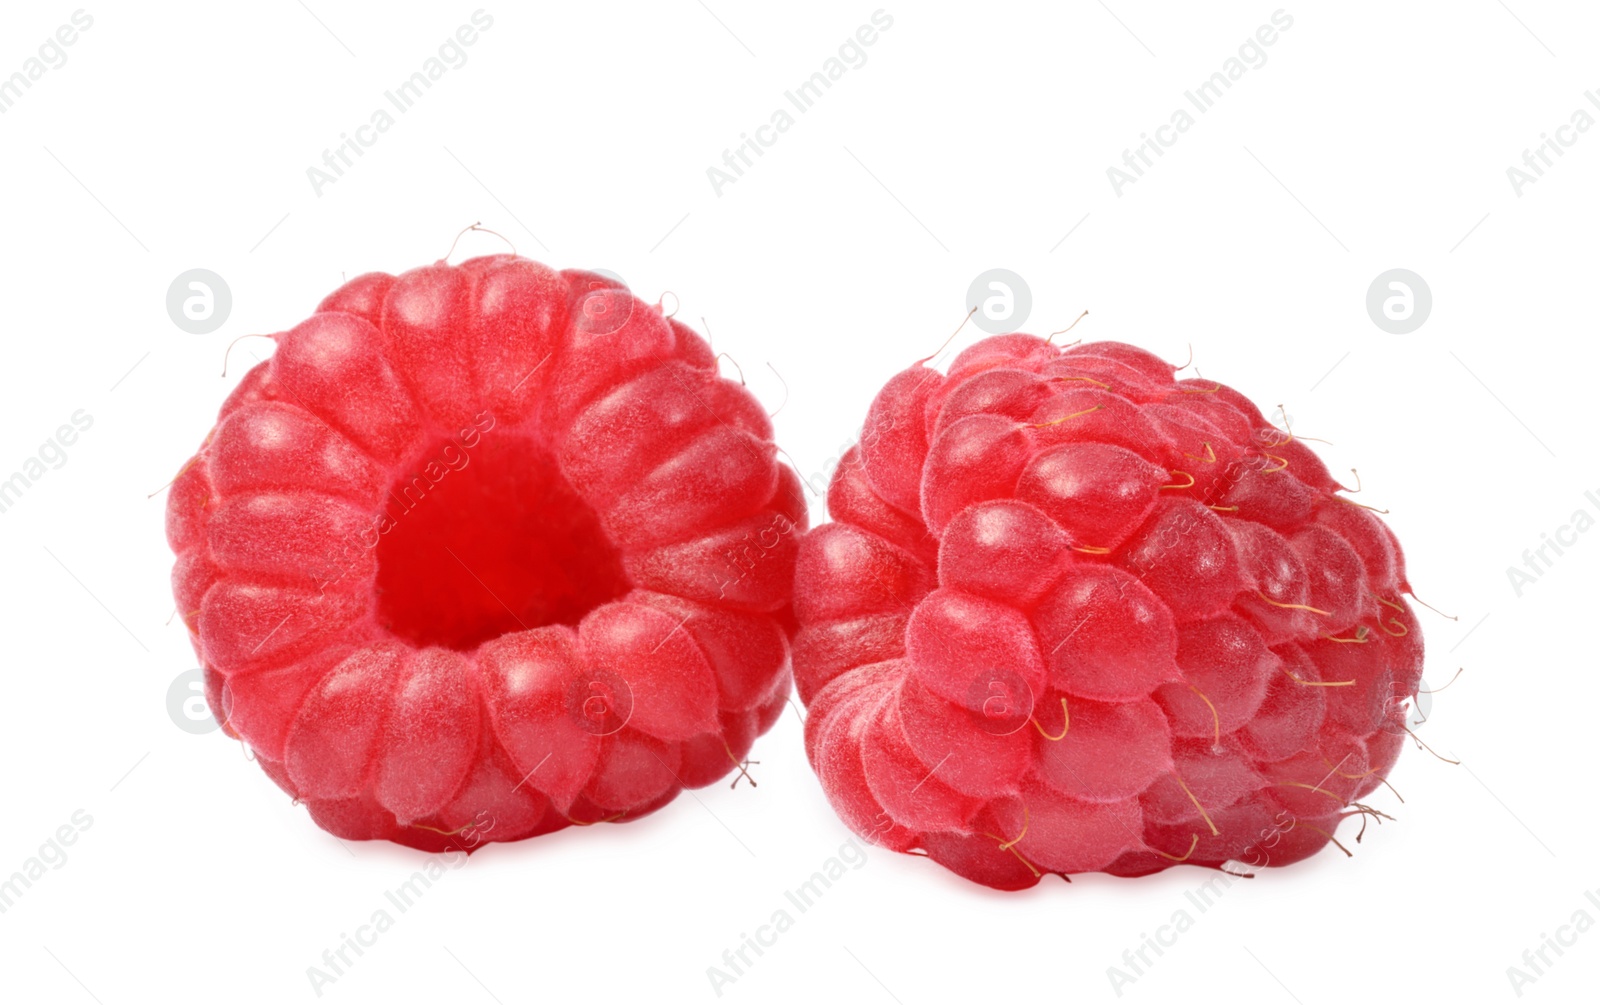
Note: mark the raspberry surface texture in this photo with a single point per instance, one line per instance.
(1074, 614)
(483, 551)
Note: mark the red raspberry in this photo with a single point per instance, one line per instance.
(1076, 615)
(486, 550)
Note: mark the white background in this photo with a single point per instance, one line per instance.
(1375, 136)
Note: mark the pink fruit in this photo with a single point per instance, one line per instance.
(486, 550)
(1074, 614)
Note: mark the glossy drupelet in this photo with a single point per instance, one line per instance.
(485, 551)
(1074, 614)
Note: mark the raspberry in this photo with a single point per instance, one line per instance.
(1074, 614)
(486, 550)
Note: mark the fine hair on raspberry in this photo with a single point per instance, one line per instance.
(486, 551)
(1076, 613)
